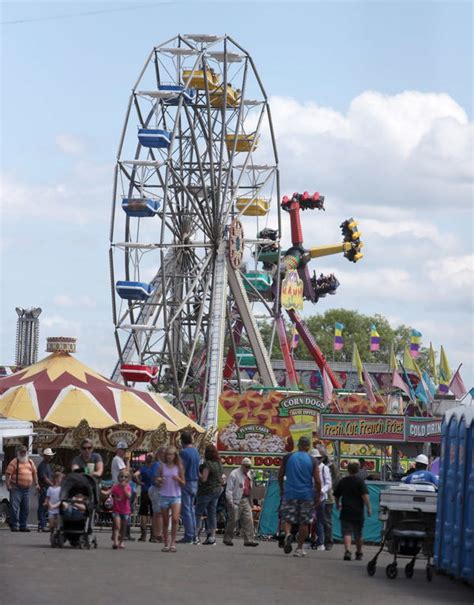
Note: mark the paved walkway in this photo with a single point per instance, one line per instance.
(32, 572)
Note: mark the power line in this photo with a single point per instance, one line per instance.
(87, 13)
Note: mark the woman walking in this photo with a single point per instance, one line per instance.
(170, 481)
(209, 490)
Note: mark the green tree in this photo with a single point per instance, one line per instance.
(356, 329)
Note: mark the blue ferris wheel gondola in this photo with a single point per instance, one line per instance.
(155, 138)
(133, 290)
(140, 207)
(189, 94)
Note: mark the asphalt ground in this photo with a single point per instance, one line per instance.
(31, 572)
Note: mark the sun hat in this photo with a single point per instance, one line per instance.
(316, 453)
(422, 459)
(246, 462)
(48, 452)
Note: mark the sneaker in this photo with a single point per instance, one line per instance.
(321, 547)
(184, 541)
(347, 555)
(328, 546)
(25, 530)
(153, 540)
(287, 548)
(228, 542)
(300, 552)
(209, 541)
(196, 541)
(142, 538)
(359, 556)
(251, 543)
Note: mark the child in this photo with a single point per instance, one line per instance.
(121, 494)
(53, 501)
(76, 506)
(170, 480)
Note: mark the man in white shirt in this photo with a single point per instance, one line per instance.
(118, 461)
(326, 485)
(238, 495)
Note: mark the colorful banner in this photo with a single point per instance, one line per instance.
(339, 427)
(338, 339)
(421, 430)
(292, 291)
(374, 339)
(265, 426)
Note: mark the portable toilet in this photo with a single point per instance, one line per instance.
(454, 539)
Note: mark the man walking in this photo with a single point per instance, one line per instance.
(45, 480)
(351, 494)
(300, 487)
(190, 459)
(20, 476)
(238, 495)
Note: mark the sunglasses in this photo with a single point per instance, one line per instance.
(123, 476)
(87, 447)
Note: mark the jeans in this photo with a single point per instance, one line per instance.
(320, 524)
(328, 541)
(42, 510)
(207, 504)
(188, 493)
(19, 507)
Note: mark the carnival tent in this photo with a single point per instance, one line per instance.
(62, 391)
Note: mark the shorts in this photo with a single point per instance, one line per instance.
(349, 528)
(168, 501)
(297, 512)
(146, 508)
(123, 516)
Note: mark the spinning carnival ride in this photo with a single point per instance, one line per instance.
(192, 206)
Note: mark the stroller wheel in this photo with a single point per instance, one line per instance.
(371, 566)
(409, 568)
(391, 571)
(429, 572)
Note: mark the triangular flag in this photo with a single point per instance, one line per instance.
(408, 362)
(368, 386)
(434, 372)
(357, 363)
(399, 383)
(444, 372)
(430, 384)
(327, 387)
(456, 386)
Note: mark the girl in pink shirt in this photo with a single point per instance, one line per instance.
(170, 480)
(121, 510)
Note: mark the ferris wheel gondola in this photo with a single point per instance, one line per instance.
(191, 205)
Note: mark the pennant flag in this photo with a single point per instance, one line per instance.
(368, 386)
(444, 372)
(295, 338)
(408, 363)
(398, 383)
(357, 363)
(434, 372)
(429, 384)
(420, 393)
(374, 339)
(327, 387)
(407, 380)
(415, 341)
(393, 359)
(338, 340)
(471, 393)
(456, 386)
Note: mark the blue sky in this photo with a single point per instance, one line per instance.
(365, 65)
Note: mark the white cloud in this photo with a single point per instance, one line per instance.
(71, 144)
(69, 302)
(456, 272)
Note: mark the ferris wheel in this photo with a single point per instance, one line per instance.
(195, 202)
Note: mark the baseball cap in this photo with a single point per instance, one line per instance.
(422, 459)
(246, 462)
(48, 452)
(316, 453)
(121, 445)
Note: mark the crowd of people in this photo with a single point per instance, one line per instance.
(176, 485)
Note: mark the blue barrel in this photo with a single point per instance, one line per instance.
(449, 495)
(459, 499)
(467, 552)
(154, 138)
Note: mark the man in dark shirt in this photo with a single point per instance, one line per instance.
(45, 480)
(354, 494)
(190, 459)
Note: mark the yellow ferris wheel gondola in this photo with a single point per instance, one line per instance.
(258, 206)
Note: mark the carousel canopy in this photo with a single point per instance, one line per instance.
(63, 391)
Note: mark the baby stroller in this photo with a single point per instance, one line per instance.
(409, 515)
(79, 499)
